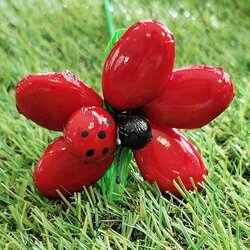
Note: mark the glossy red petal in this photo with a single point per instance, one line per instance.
(49, 99)
(168, 156)
(138, 66)
(193, 97)
(59, 169)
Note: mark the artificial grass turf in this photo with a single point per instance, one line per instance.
(39, 36)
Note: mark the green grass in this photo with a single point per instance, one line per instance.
(37, 36)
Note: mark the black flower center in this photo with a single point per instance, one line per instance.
(134, 131)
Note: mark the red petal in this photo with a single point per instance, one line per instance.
(168, 156)
(59, 169)
(138, 66)
(49, 99)
(194, 97)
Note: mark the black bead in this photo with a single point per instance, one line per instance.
(101, 134)
(134, 131)
(90, 152)
(85, 134)
(105, 151)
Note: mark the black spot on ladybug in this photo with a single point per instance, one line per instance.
(105, 151)
(85, 133)
(108, 121)
(90, 152)
(101, 134)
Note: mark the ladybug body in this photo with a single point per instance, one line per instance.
(90, 134)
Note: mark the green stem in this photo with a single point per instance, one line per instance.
(109, 18)
(118, 165)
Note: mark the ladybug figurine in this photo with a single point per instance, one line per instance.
(146, 101)
(90, 134)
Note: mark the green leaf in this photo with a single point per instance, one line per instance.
(114, 39)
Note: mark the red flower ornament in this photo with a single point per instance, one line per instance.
(146, 101)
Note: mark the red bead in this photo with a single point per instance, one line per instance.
(49, 99)
(90, 134)
(168, 156)
(59, 169)
(193, 97)
(138, 66)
